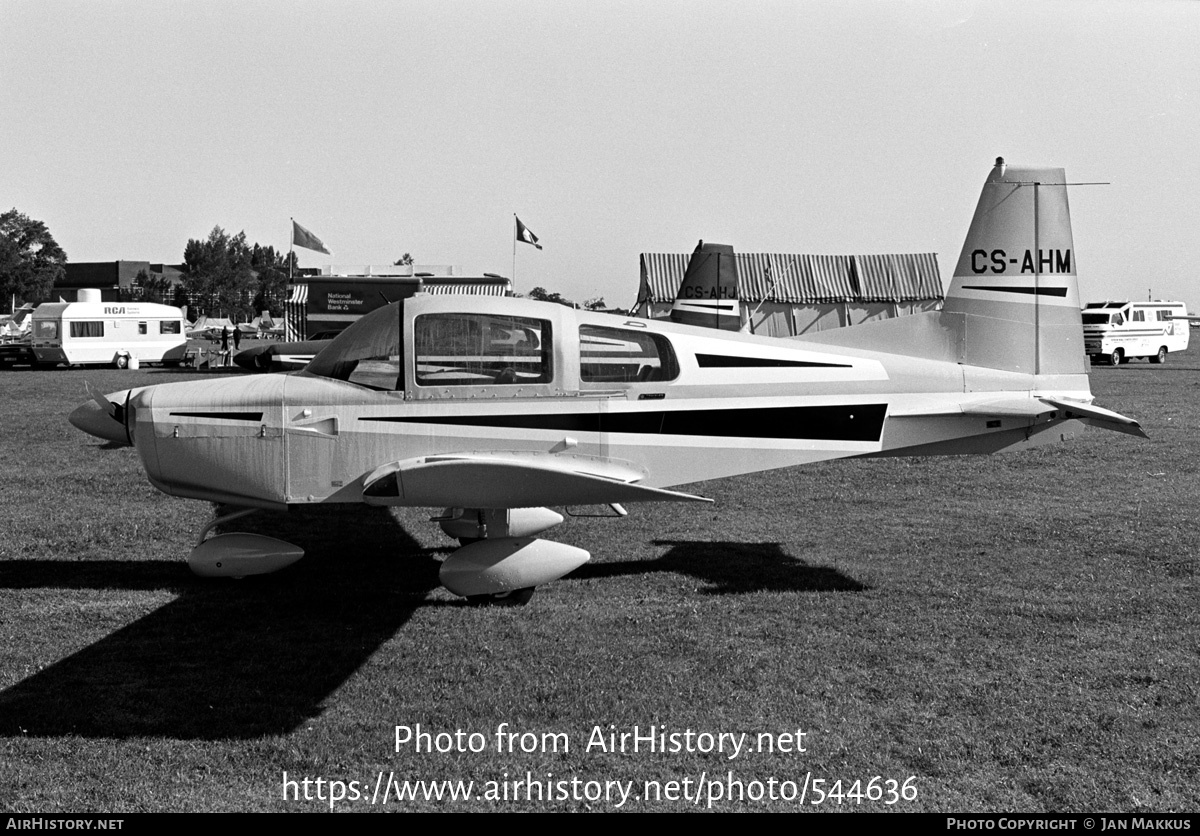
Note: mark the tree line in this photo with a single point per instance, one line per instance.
(223, 274)
(540, 294)
(31, 261)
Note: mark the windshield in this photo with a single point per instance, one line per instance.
(367, 353)
(1095, 319)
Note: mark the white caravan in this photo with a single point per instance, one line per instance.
(108, 333)
(1117, 331)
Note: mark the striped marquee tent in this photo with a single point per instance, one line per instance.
(785, 295)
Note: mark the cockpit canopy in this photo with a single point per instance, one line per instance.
(458, 347)
(369, 352)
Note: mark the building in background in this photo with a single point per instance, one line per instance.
(341, 295)
(112, 278)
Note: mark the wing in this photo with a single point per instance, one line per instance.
(511, 480)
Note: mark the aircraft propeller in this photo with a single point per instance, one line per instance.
(102, 418)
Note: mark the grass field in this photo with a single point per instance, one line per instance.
(1013, 633)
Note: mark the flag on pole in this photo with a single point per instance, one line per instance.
(301, 237)
(523, 234)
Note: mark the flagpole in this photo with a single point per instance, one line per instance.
(291, 243)
(514, 240)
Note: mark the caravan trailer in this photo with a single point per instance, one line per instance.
(108, 333)
(1119, 331)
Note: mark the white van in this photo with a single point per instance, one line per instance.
(1118, 331)
(108, 333)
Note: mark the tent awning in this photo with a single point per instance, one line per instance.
(808, 279)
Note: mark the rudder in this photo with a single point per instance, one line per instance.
(1015, 285)
(708, 296)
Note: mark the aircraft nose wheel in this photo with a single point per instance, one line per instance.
(514, 598)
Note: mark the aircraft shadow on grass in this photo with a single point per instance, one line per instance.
(261, 656)
(731, 568)
(227, 660)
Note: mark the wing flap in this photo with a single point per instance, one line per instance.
(513, 480)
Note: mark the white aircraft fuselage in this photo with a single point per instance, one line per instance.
(738, 404)
(493, 407)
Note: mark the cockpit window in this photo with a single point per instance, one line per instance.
(619, 355)
(481, 350)
(368, 353)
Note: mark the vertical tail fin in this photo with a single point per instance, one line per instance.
(1015, 285)
(708, 296)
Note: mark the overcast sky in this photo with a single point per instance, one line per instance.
(610, 128)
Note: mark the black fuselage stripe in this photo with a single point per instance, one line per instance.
(1040, 291)
(857, 422)
(726, 361)
(228, 416)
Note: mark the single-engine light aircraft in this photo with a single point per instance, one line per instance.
(495, 408)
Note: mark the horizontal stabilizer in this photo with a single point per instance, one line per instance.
(1010, 408)
(1101, 417)
(1031, 408)
(1001, 408)
(510, 480)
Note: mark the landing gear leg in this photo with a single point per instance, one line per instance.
(219, 520)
